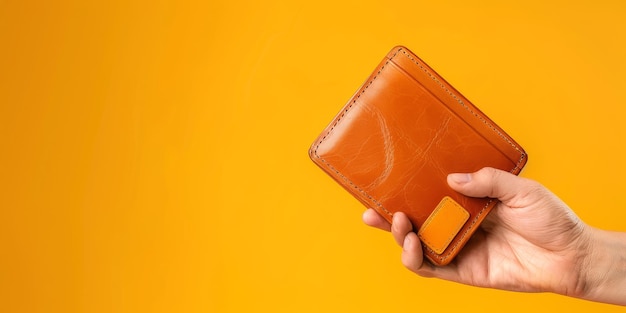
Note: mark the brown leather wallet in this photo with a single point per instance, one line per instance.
(394, 143)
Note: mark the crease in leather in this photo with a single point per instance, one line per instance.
(389, 149)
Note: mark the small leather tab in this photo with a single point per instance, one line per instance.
(443, 224)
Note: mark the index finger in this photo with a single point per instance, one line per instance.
(373, 219)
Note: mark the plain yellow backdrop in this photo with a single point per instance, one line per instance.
(154, 153)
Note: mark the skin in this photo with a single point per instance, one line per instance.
(531, 242)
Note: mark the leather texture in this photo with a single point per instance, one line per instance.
(394, 143)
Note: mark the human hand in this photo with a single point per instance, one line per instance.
(531, 241)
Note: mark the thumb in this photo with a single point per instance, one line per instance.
(487, 182)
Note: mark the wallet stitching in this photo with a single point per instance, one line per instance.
(345, 111)
(462, 103)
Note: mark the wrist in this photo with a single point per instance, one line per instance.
(603, 268)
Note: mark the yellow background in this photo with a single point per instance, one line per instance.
(154, 153)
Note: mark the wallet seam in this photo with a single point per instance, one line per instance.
(345, 111)
(462, 103)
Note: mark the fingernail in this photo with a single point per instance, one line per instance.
(460, 178)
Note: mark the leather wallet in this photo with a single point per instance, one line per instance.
(394, 143)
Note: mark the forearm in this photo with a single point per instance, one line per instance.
(603, 273)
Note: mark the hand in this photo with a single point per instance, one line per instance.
(531, 241)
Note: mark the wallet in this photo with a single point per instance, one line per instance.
(396, 140)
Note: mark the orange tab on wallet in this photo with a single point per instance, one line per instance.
(443, 224)
(399, 136)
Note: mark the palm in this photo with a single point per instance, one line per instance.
(524, 246)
